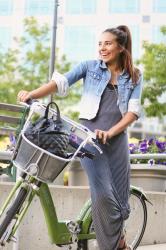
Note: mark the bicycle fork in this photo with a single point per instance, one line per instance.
(14, 209)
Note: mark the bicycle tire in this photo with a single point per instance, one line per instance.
(134, 243)
(12, 211)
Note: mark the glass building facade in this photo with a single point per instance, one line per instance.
(80, 22)
(123, 6)
(81, 7)
(6, 7)
(38, 7)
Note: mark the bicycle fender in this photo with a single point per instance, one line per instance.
(84, 210)
(140, 191)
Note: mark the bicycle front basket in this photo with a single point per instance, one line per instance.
(38, 162)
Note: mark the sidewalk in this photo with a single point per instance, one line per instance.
(153, 247)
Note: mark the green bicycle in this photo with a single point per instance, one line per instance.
(37, 168)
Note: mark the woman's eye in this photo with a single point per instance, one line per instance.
(105, 44)
(108, 43)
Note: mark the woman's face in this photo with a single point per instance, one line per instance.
(108, 48)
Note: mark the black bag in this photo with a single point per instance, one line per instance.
(48, 133)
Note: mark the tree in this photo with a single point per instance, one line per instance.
(27, 67)
(154, 63)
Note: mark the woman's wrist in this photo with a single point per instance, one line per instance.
(110, 133)
(30, 95)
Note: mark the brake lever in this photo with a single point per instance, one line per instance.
(92, 141)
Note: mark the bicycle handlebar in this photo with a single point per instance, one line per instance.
(82, 152)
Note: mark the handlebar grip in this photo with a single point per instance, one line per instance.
(84, 151)
(31, 101)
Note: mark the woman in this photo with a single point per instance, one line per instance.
(110, 102)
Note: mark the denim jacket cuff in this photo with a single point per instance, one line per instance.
(134, 107)
(61, 82)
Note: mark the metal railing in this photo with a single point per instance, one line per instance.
(148, 156)
(7, 155)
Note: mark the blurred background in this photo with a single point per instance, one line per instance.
(27, 30)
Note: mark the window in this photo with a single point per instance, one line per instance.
(123, 6)
(39, 7)
(157, 35)
(145, 19)
(76, 7)
(5, 7)
(159, 6)
(135, 40)
(5, 38)
(79, 43)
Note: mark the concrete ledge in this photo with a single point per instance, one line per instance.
(69, 200)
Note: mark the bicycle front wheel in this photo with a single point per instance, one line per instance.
(10, 215)
(134, 233)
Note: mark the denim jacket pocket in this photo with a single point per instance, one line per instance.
(93, 80)
(93, 76)
(128, 92)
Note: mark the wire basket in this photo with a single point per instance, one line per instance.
(42, 164)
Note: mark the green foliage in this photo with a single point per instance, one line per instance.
(27, 67)
(154, 62)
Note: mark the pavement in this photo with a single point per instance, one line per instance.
(153, 247)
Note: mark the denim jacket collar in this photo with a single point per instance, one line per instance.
(104, 66)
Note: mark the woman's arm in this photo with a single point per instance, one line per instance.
(128, 118)
(58, 84)
(40, 92)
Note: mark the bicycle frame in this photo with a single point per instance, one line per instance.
(58, 231)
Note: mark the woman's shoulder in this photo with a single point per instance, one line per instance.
(140, 74)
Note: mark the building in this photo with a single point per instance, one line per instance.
(80, 23)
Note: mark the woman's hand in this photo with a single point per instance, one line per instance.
(102, 135)
(24, 96)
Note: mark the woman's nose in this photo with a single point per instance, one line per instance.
(102, 47)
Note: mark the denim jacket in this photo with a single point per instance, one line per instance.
(96, 76)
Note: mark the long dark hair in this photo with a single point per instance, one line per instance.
(123, 38)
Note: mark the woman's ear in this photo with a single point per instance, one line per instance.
(121, 50)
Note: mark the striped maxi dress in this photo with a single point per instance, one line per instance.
(109, 174)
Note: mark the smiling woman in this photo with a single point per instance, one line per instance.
(110, 102)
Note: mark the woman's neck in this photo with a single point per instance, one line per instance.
(114, 70)
(114, 67)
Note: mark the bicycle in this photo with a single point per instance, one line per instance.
(38, 168)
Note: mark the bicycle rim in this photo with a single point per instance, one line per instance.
(134, 233)
(10, 215)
